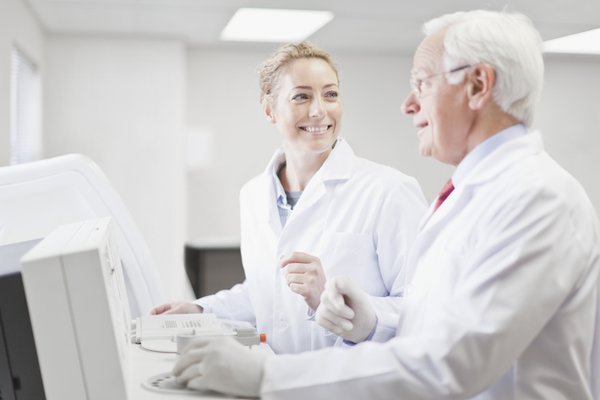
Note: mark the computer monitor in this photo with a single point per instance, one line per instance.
(37, 197)
(79, 313)
(20, 377)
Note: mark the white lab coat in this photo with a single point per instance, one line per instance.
(360, 218)
(502, 304)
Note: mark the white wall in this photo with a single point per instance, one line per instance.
(120, 101)
(569, 117)
(17, 27)
(223, 97)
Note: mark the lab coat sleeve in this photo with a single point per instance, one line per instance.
(523, 247)
(233, 304)
(395, 230)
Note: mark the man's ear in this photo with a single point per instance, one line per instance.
(480, 85)
(269, 114)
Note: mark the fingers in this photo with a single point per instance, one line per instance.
(186, 361)
(333, 301)
(199, 383)
(303, 273)
(192, 372)
(309, 284)
(178, 307)
(334, 314)
(185, 308)
(297, 257)
(298, 288)
(159, 309)
(192, 354)
(300, 268)
(344, 285)
(294, 269)
(332, 322)
(174, 308)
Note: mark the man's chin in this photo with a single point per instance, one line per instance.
(425, 151)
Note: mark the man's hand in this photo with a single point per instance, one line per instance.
(346, 310)
(179, 307)
(223, 365)
(305, 276)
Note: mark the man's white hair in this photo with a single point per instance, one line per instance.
(508, 42)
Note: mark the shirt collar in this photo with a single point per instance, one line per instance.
(275, 165)
(485, 148)
(337, 166)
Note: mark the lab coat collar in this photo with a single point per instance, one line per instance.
(486, 170)
(505, 155)
(338, 165)
(337, 168)
(484, 149)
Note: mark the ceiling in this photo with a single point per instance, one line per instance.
(365, 25)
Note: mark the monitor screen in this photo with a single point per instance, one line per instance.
(20, 377)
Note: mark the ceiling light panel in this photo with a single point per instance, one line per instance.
(274, 25)
(580, 43)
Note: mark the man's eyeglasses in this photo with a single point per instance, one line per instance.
(416, 85)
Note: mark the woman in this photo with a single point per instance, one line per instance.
(317, 211)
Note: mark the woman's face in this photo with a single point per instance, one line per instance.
(306, 108)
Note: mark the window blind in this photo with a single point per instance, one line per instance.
(25, 109)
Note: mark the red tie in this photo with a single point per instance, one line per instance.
(446, 190)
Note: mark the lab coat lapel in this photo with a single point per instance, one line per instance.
(271, 213)
(497, 162)
(337, 168)
(488, 169)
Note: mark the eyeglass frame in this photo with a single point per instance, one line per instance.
(416, 84)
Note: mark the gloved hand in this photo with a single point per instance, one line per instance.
(346, 310)
(305, 276)
(223, 365)
(178, 307)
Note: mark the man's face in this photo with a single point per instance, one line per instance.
(439, 110)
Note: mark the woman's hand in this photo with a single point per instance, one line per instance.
(177, 307)
(305, 276)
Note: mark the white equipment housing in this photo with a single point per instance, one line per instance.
(37, 197)
(79, 312)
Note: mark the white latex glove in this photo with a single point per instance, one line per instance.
(223, 365)
(346, 310)
(177, 307)
(305, 276)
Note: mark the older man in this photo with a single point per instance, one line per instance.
(502, 298)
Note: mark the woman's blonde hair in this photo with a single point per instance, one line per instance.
(270, 70)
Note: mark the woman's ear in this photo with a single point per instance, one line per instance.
(269, 114)
(480, 85)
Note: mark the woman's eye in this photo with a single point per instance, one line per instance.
(300, 96)
(332, 94)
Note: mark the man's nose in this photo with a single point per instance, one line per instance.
(411, 104)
